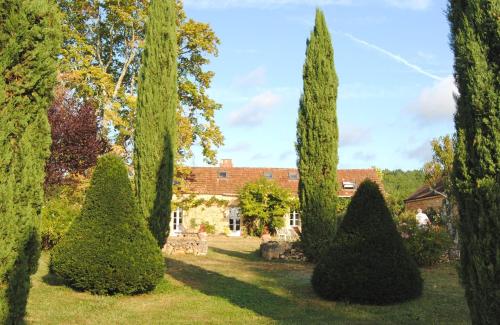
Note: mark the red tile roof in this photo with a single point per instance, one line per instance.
(426, 192)
(206, 180)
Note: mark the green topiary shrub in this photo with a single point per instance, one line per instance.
(367, 262)
(108, 249)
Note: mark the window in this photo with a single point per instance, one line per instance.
(177, 219)
(348, 185)
(293, 176)
(294, 219)
(222, 174)
(268, 175)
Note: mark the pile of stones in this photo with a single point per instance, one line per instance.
(185, 245)
(283, 250)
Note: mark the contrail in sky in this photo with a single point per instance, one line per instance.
(394, 57)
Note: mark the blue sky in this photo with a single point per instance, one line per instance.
(395, 78)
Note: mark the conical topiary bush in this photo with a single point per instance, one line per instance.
(367, 262)
(108, 248)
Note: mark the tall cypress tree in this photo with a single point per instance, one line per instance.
(155, 131)
(475, 40)
(29, 42)
(317, 142)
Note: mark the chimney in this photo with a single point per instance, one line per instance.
(227, 163)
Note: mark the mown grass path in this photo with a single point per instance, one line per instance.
(232, 285)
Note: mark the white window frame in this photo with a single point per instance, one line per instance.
(294, 219)
(235, 217)
(177, 221)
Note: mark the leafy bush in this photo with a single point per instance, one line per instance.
(108, 248)
(264, 204)
(425, 244)
(209, 228)
(61, 207)
(367, 262)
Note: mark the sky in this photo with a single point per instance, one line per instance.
(392, 58)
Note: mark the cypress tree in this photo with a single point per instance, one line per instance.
(155, 131)
(475, 40)
(317, 142)
(108, 248)
(29, 42)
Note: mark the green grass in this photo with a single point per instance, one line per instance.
(233, 285)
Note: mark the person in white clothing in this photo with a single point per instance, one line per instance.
(422, 219)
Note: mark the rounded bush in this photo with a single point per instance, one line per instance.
(367, 262)
(108, 248)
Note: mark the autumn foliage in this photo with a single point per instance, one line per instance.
(76, 143)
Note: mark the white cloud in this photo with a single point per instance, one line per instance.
(256, 111)
(352, 136)
(421, 153)
(435, 103)
(259, 156)
(286, 154)
(241, 146)
(410, 4)
(256, 77)
(394, 57)
(364, 156)
(272, 4)
(261, 4)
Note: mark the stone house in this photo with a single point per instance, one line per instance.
(212, 193)
(425, 198)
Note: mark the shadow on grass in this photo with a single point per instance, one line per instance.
(53, 280)
(249, 256)
(249, 296)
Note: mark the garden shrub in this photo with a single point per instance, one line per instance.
(425, 244)
(209, 228)
(58, 212)
(108, 249)
(264, 204)
(367, 262)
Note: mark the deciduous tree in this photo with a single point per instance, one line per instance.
(102, 52)
(76, 142)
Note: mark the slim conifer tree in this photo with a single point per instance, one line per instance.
(155, 131)
(475, 40)
(317, 142)
(29, 42)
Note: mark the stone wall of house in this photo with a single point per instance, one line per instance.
(434, 202)
(214, 215)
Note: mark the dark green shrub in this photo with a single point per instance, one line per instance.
(425, 244)
(108, 248)
(367, 262)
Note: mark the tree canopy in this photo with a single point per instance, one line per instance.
(101, 58)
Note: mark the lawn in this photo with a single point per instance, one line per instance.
(233, 285)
